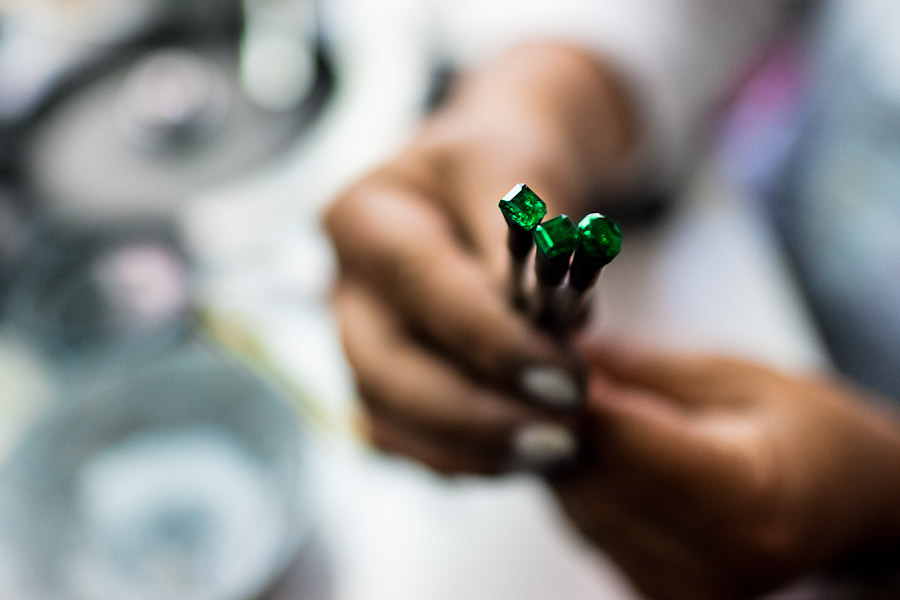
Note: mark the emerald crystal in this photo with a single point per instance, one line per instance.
(599, 237)
(556, 237)
(522, 207)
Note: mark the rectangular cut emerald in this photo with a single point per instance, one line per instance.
(556, 237)
(523, 207)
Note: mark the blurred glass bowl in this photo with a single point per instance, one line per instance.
(102, 293)
(180, 482)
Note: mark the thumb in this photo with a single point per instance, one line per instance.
(664, 454)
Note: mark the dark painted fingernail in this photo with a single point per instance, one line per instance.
(540, 446)
(551, 386)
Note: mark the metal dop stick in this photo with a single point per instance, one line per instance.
(599, 241)
(523, 211)
(555, 241)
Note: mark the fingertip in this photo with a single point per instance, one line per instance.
(543, 446)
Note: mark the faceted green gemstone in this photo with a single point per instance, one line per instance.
(556, 237)
(523, 207)
(599, 237)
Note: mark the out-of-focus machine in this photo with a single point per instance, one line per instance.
(160, 467)
(117, 108)
(113, 113)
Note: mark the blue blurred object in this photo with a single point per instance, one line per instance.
(181, 480)
(92, 295)
(842, 216)
(816, 131)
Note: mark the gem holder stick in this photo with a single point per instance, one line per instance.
(523, 211)
(599, 241)
(555, 241)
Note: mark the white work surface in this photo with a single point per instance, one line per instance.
(708, 277)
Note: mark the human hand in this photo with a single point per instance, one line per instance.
(714, 478)
(448, 371)
(441, 359)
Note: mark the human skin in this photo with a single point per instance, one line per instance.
(423, 261)
(703, 478)
(710, 477)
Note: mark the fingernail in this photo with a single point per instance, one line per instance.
(543, 445)
(551, 386)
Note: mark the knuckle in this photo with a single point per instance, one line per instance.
(347, 203)
(406, 271)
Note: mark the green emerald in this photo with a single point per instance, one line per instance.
(523, 207)
(600, 237)
(556, 237)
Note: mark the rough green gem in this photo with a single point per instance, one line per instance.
(523, 207)
(600, 237)
(556, 237)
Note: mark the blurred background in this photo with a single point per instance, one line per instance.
(176, 419)
(165, 350)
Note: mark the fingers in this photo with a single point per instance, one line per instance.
(467, 198)
(444, 457)
(668, 493)
(662, 564)
(486, 232)
(402, 247)
(426, 407)
(397, 376)
(538, 447)
(695, 424)
(692, 381)
(671, 461)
